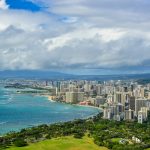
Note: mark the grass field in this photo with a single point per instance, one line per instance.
(63, 143)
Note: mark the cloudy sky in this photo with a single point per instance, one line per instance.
(75, 36)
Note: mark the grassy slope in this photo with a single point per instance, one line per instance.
(63, 143)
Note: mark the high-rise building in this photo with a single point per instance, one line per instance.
(99, 101)
(110, 98)
(132, 87)
(132, 103)
(145, 110)
(87, 87)
(58, 86)
(121, 97)
(129, 114)
(148, 95)
(118, 97)
(141, 102)
(99, 89)
(74, 97)
(142, 114)
(120, 108)
(125, 89)
(107, 113)
(142, 92)
(140, 117)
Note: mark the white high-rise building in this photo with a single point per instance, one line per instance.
(87, 87)
(142, 114)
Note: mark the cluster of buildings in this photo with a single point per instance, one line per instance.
(120, 100)
(128, 103)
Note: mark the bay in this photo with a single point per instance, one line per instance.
(18, 111)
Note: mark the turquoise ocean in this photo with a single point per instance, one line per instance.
(18, 111)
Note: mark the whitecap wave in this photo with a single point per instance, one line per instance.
(1, 123)
(6, 102)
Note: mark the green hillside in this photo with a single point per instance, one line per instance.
(63, 143)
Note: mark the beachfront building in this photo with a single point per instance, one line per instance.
(74, 97)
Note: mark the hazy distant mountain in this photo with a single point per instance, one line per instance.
(32, 74)
(57, 75)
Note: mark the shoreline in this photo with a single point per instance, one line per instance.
(100, 110)
(32, 126)
(49, 99)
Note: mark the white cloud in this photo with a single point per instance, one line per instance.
(3, 4)
(78, 34)
(104, 35)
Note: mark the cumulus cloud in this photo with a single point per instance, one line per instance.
(76, 34)
(3, 4)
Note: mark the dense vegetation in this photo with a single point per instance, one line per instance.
(111, 134)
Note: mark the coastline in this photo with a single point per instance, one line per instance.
(50, 98)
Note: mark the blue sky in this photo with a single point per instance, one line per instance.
(75, 36)
(23, 4)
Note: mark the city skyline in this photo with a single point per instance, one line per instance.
(75, 37)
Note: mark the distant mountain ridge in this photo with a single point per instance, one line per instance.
(31, 74)
(27, 74)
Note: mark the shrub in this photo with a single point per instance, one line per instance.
(78, 135)
(20, 143)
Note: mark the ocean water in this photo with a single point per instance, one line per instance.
(19, 111)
